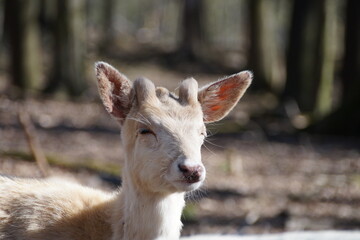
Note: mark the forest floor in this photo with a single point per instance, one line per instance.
(258, 181)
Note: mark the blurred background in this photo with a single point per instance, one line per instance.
(288, 156)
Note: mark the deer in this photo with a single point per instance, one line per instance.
(162, 134)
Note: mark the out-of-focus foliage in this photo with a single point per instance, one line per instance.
(304, 53)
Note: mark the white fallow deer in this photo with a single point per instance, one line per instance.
(162, 134)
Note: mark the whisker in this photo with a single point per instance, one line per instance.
(196, 195)
(212, 152)
(213, 144)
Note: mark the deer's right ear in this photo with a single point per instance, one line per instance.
(114, 89)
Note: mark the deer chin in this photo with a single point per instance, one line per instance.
(180, 184)
(185, 186)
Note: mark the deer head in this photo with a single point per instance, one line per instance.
(163, 133)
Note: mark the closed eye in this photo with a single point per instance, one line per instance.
(144, 131)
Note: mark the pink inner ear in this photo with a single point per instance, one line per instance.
(215, 107)
(223, 93)
(113, 77)
(114, 89)
(220, 97)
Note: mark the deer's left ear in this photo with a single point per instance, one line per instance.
(220, 97)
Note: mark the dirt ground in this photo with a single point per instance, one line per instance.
(256, 183)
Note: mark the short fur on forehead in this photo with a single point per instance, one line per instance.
(161, 103)
(146, 91)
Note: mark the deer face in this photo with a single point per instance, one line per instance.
(162, 132)
(169, 132)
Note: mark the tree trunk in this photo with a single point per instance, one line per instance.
(311, 56)
(192, 29)
(47, 16)
(351, 68)
(293, 71)
(108, 25)
(23, 34)
(345, 120)
(2, 13)
(264, 54)
(69, 52)
(326, 58)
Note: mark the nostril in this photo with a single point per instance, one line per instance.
(183, 168)
(192, 174)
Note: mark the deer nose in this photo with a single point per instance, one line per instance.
(192, 174)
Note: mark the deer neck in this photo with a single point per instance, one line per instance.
(147, 216)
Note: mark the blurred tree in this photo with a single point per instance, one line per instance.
(23, 37)
(69, 48)
(264, 55)
(311, 56)
(108, 25)
(345, 120)
(2, 3)
(351, 68)
(47, 16)
(325, 60)
(192, 29)
(296, 42)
